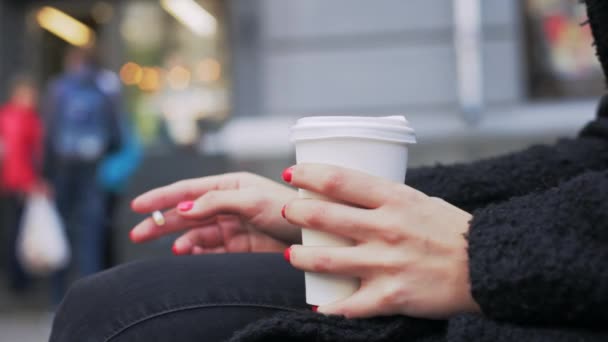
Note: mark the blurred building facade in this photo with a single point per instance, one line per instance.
(223, 80)
(457, 68)
(507, 73)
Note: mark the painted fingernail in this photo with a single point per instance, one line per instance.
(287, 173)
(185, 206)
(283, 211)
(315, 308)
(287, 254)
(174, 250)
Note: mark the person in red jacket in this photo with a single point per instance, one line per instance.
(21, 135)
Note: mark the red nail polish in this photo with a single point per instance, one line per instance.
(315, 308)
(185, 206)
(287, 173)
(283, 211)
(174, 250)
(287, 254)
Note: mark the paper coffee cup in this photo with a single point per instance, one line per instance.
(374, 145)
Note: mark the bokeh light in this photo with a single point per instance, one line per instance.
(209, 70)
(65, 26)
(131, 73)
(150, 80)
(179, 77)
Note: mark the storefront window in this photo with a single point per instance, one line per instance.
(561, 58)
(175, 68)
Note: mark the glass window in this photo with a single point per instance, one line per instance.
(175, 68)
(561, 58)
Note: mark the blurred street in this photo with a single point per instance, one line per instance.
(24, 318)
(25, 326)
(190, 88)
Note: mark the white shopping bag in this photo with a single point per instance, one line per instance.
(42, 245)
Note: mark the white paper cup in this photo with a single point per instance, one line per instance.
(374, 145)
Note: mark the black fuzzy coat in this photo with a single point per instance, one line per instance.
(538, 252)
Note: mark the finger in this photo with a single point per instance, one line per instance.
(342, 184)
(170, 195)
(200, 250)
(225, 202)
(347, 261)
(206, 237)
(362, 304)
(355, 223)
(148, 229)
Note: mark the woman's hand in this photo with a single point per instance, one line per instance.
(410, 249)
(235, 212)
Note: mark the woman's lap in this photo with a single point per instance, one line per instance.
(195, 298)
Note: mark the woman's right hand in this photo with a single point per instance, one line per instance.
(234, 213)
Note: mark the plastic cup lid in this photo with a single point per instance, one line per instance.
(385, 128)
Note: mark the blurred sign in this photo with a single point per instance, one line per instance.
(562, 57)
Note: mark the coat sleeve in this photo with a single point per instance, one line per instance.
(543, 257)
(475, 185)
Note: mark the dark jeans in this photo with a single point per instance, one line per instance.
(191, 298)
(81, 203)
(111, 201)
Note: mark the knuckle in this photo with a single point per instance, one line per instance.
(244, 174)
(182, 186)
(392, 234)
(438, 200)
(178, 184)
(394, 264)
(393, 238)
(358, 228)
(210, 197)
(348, 312)
(410, 195)
(333, 182)
(386, 298)
(322, 264)
(394, 195)
(258, 204)
(316, 216)
(393, 297)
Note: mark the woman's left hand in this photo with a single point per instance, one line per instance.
(410, 249)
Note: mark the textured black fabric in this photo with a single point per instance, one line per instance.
(475, 185)
(473, 328)
(308, 326)
(542, 258)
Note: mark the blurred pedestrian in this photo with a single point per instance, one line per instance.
(21, 134)
(83, 128)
